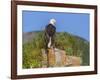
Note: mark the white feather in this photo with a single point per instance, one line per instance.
(49, 44)
(52, 21)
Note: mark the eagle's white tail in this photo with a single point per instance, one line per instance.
(49, 44)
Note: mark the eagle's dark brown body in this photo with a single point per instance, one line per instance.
(50, 31)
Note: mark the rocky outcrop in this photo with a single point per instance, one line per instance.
(58, 58)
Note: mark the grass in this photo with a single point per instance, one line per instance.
(73, 45)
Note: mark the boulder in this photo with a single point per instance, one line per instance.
(58, 58)
(51, 57)
(73, 61)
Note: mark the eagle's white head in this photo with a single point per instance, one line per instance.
(52, 21)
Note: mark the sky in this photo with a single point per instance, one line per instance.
(74, 23)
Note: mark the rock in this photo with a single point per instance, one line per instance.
(63, 57)
(51, 57)
(73, 61)
(58, 58)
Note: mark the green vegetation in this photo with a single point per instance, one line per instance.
(73, 45)
(32, 56)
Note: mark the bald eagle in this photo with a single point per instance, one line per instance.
(50, 31)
